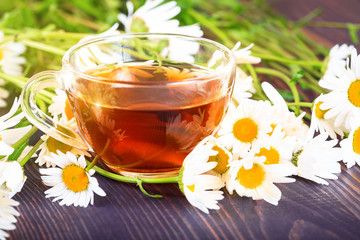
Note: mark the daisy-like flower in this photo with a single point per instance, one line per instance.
(244, 86)
(350, 146)
(61, 105)
(291, 124)
(174, 74)
(9, 135)
(199, 186)
(97, 54)
(70, 182)
(244, 55)
(12, 177)
(10, 63)
(337, 58)
(7, 214)
(244, 125)
(4, 94)
(155, 17)
(223, 158)
(250, 177)
(52, 145)
(322, 125)
(277, 148)
(317, 158)
(344, 96)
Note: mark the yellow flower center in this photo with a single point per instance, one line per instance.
(272, 155)
(191, 187)
(54, 145)
(68, 112)
(175, 75)
(318, 112)
(138, 25)
(273, 126)
(75, 178)
(354, 93)
(356, 141)
(222, 160)
(251, 178)
(1, 54)
(0, 138)
(245, 130)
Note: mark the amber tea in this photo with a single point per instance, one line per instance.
(145, 130)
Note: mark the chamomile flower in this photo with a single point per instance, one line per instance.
(250, 177)
(96, 54)
(10, 63)
(244, 86)
(277, 148)
(244, 125)
(322, 125)
(244, 55)
(344, 96)
(223, 158)
(61, 105)
(350, 146)
(10, 59)
(199, 186)
(4, 94)
(317, 158)
(155, 17)
(9, 135)
(70, 182)
(337, 58)
(12, 177)
(7, 214)
(184, 134)
(52, 145)
(291, 124)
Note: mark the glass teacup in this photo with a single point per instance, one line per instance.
(141, 101)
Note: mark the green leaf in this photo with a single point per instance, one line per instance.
(298, 75)
(288, 97)
(353, 32)
(17, 152)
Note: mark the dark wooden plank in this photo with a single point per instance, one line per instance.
(334, 11)
(306, 210)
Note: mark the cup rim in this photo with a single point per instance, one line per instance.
(69, 52)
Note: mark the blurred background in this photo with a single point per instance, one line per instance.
(276, 27)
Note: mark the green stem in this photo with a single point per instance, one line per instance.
(139, 184)
(32, 33)
(43, 47)
(287, 80)
(93, 162)
(301, 104)
(256, 82)
(290, 61)
(31, 153)
(70, 35)
(20, 83)
(25, 137)
(217, 31)
(328, 24)
(17, 81)
(121, 178)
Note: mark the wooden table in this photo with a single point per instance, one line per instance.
(305, 211)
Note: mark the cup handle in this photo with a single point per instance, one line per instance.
(47, 79)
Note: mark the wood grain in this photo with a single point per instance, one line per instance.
(306, 210)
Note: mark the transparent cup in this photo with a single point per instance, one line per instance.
(141, 101)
